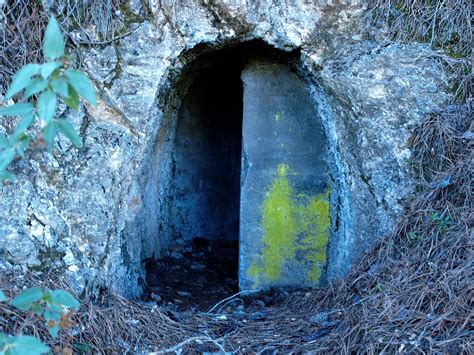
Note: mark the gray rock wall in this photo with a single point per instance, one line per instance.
(96, 213)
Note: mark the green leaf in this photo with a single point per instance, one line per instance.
(4, 142)
(12, 140)
(51, 307)
(47, 295)
(53, 331)
(48, 68)
(53, 313)
(5, 175)
(47, 106)
(35, 86)
(26, 298)
(20, 109)
(68, 130)
(6, 157)
(25, 123)
(82, 85)
(25, 344)
(37, 308)
(6, 342)
(53, 43)
(50, 132)
(21, 79)
(60, 86)
(22, 144)
(54, 316)
(73, 99)
(3, 298)
(65, 299)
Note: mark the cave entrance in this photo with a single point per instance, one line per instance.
(247, 203)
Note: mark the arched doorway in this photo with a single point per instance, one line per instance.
(248, 196)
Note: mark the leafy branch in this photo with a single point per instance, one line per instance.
(53, 305)
(42, 85)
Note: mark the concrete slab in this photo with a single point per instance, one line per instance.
(284, 203)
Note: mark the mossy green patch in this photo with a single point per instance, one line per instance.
(279, 225)
(314, 222)
(253, 271)
(291, 229)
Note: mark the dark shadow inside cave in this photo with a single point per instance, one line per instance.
(206, 159)
(205, 190)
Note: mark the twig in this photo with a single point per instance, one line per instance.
(100, 43)
(229, 298)
(178, 347)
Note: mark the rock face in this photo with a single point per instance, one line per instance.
(96, 213)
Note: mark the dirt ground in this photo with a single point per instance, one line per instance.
(195, 278)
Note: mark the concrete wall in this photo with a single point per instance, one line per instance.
(285, 212)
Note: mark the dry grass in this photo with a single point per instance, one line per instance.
(444, 24)
(415, 290)
(20, 38)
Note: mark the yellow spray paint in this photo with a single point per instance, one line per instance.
(290, 229)
(279, 225)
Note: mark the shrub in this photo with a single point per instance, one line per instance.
(54, 306)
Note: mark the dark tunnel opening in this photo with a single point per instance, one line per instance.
(205, 189)
(206, 172)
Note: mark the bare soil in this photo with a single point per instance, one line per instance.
(195, 279)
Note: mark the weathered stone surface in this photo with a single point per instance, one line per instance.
(98, 212)
(383, 93)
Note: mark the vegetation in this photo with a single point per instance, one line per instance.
(95, 21)
(444, 24)
(412, 293)
(53, 306)
(42, 85)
